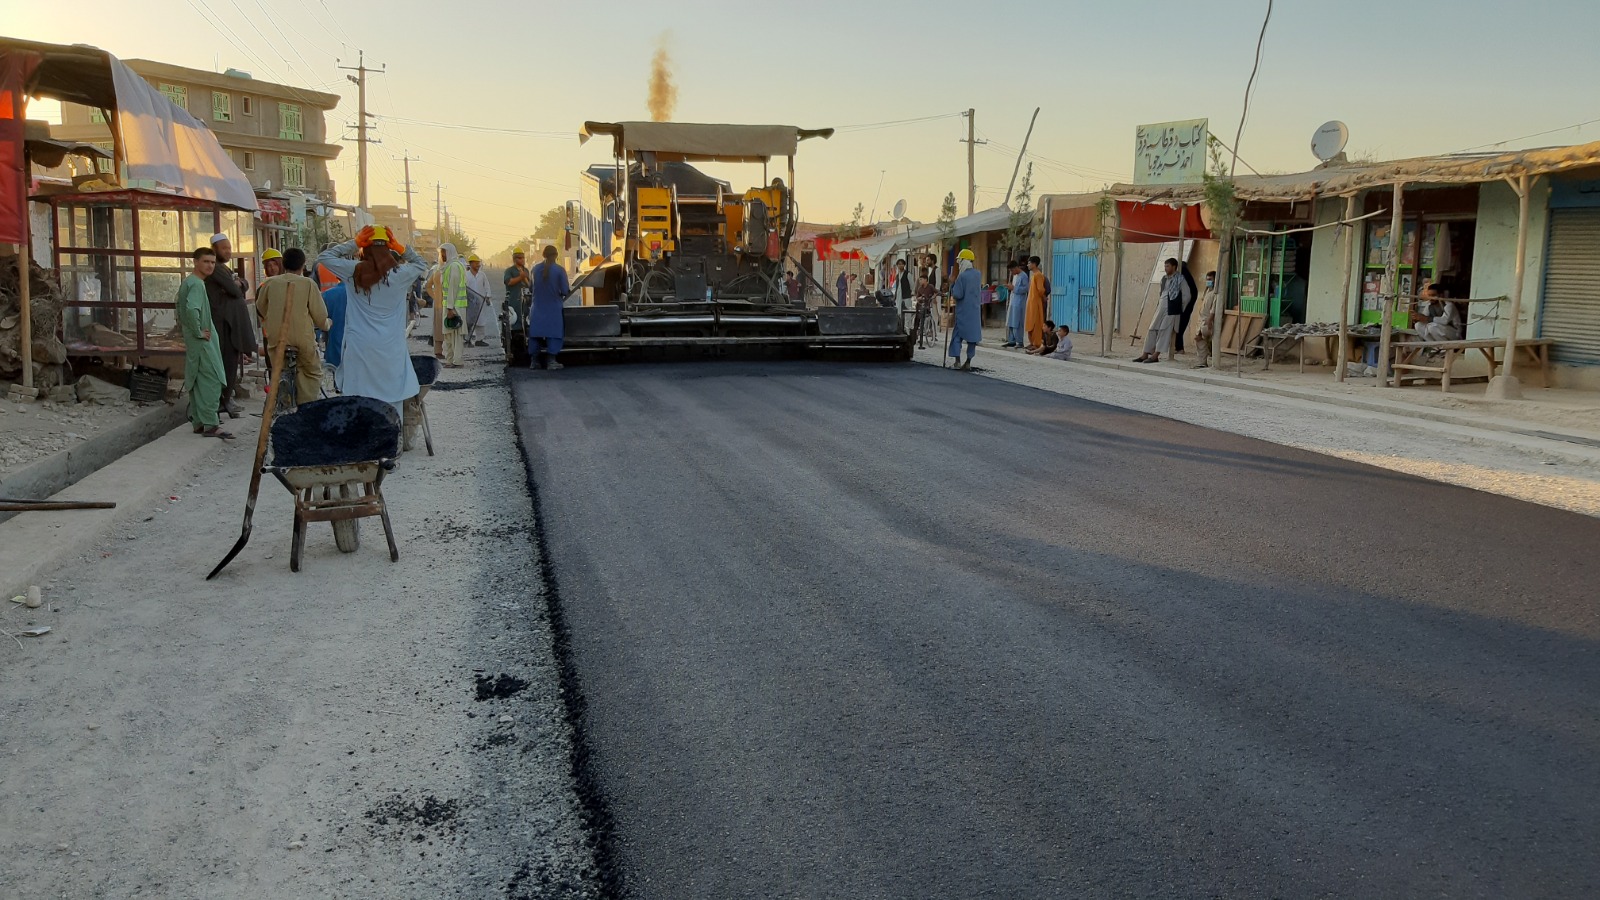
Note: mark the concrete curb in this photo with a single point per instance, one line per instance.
(1410, 411)
(35, 544)
(59, 471)
(1526, 437)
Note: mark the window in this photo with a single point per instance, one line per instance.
(294, 171)
(249, 161)
(177, 93)
(221, 106)
(97, 115)
(290, 127)
(105, 165)
(246, 107)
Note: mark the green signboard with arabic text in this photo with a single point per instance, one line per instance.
(1171, 152)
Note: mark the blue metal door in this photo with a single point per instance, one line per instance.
(1075, 283)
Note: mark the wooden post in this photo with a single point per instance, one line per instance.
(1219, 306)
(1391, 298)
(1109, 324)
(1505, 386)
(25, 276)
(1348, 233)
(1183, 265)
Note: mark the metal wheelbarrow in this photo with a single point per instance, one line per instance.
(332, 455)
(427, 369)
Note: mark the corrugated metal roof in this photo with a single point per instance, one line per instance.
(1350, 178)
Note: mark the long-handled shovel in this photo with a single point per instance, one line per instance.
(269, 408)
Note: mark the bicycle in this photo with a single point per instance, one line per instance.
(927, 324)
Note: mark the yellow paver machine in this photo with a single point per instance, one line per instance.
(675, 258)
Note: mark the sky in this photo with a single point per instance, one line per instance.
(490, 99)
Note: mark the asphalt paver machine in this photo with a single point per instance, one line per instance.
(688, 262)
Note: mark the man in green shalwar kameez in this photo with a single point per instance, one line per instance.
(203, 376)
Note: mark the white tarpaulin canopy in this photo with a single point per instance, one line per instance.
(880, 245)
(694, 142)
(167, 149)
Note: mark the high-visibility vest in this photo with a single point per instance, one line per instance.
(453, 284)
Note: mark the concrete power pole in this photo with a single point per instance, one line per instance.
(972, 143)
(438, 213)
(411, 222)
(360, 81)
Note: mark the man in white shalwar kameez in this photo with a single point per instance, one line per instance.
(376, 362)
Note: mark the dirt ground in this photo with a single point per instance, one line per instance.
(363, 729)
(32, 431)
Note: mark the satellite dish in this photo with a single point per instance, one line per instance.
(1329, 140)
(900, 209)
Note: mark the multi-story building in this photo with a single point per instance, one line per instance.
(274, 132)
(395, 217)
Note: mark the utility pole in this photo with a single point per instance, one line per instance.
(1020, 154)
(411, 223)
(360, 81)
(438, 213)
(972, 143)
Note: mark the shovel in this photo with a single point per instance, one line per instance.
(270, 407)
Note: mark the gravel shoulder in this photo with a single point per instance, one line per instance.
(363, 729)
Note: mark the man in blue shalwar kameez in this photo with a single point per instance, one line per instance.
(967, 292)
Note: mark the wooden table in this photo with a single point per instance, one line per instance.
(1408, 356)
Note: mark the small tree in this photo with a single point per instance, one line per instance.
(946, 222)
(552, 225)
(1019, 233)
(464, 245)
(852, 229)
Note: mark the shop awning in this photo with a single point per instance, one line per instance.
(1350, 178)
(694, 142)
(878, 246)
(163, 148)
(1157, 223)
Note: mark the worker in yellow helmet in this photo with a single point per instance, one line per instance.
(271, 263)
(967, 292)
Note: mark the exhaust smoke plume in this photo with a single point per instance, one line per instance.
(663, 92)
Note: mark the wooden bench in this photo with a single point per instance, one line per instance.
(1408, 356)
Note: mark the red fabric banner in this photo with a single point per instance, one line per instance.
(1154, 223)
(15, 67)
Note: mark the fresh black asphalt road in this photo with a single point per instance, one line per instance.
(864, 631)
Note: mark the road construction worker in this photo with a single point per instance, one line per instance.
(967, 292)
(271, 262)
(377, 271)
(546, 322)
(452, 311)
(294, 292)
(478, 293)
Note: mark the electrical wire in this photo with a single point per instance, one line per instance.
(1527, 136)
(1245, 116)
(894, 123)
(401, 120)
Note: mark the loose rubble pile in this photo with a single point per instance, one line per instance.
(1316, 329)
(69, 415)
(45, 301)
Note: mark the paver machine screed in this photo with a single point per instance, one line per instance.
(674, 258)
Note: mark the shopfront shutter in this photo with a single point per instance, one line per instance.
(1571, 313)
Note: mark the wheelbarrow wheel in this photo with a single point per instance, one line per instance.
(347, 535)
(347, 532)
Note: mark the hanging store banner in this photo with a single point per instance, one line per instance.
(1171, 152)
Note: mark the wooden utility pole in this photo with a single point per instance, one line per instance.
(1020, 154)
(360, 81)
